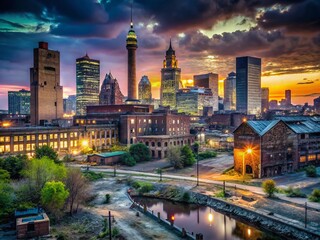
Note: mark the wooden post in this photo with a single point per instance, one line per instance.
(110, 236)
(159, 216)
(305, 215)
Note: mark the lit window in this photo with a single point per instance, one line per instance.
(33, 137)
(28, 147)
(51, 136)
(7, 139)
(174, 121)
(150, 121)
(20, 138)
(44, 136)
(132, 121)
(139, 130)
(15, 138)
(33, 146)
(1, 149)
(303, 158)
(144, 120)
(94, 121)
(16, 148)
(7, 148)
(61, 135)
(55, 136)
(1, 140)
(312, 157)
(40, 136)
(20, 147)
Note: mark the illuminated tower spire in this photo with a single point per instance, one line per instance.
(132, 47)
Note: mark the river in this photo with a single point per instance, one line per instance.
(201, 219)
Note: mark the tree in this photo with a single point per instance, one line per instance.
(187, 156)
(53, 196)
(46, 151)
(315, 195)
(40, 171)
(77, 186)
(174, 157)
(128, 160)
(140, 152)
(6, 199)
(269, 187)
(4, 175)
(311, 171)
(14, 165)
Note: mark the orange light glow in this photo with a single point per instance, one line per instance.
(249, 151)
(6, 124)
(172, 218)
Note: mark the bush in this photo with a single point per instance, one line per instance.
(187, 156)
(186, 197)
(128, 160)
(269, 187)
(145, 187)
(108, 197)
(220, 194)
(294, 192)
(93, 176)
(135, 184)
(46, 151)
(207, 154)
(315, 195)
(311, 171)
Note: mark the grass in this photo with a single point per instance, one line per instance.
(93, 176)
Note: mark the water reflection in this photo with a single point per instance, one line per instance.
(202, 219)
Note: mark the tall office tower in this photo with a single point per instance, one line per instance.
(132, 45)
(46, 102)
(110, 93)
(19, 102)
(209, 80)
(170, 79)
(229, 100)
(193, 100)
(145, 95)
(88, 83)
(248, 86)
(288, 97)
(264, 99)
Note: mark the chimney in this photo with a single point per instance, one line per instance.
(43, 45)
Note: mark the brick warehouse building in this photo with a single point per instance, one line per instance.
(277, 146)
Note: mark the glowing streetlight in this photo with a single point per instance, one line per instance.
(248, 151)
(84, 143)
(249, 232)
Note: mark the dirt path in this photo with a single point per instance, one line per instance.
(130, 226)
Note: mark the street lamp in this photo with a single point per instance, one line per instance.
(210, 217)
(248, 151)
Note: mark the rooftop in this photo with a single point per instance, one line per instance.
(108, 154)
(261, 127)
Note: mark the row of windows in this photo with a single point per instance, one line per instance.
(40, 137)
(311, 157)
(132, 121)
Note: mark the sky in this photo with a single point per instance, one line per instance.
(206, 35)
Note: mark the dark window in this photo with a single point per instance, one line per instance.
(45, 82)
(30, 227)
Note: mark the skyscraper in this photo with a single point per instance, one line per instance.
(248, 85)
(145, 90)
(19, 102)
(69, 104)
(46, 101)
(229, 101)
(264, 99)
(132, 45)
(288, 97)
(110, 91)
(88, 83)
(170, 79)
(211, 81)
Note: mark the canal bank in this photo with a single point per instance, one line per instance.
(268, 222)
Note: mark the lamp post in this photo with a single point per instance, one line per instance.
(248, 151)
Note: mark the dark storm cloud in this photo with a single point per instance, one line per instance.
(300, 17)
(309, 82)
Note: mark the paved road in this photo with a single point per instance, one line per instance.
(253, 189)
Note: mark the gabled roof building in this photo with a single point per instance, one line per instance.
(269, 148)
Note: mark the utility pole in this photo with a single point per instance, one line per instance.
(305, 214)
(110, 235)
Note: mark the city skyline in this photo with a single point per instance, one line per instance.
(208, 39)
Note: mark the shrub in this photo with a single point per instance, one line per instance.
(187, 156)
(220, 194)
(107, 198)
(92, 176)
(294, 192)
(135, 184)
(145, 187)
(186, 197)
(128, 160)
(315, 195)
(269, 187)
(311, 171)
(207, 154)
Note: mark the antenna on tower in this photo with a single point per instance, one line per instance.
(131, 15)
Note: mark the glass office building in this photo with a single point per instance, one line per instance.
(88, 83)
(19, 102)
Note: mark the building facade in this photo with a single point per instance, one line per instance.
(248, 85)
(277, 146)
(229, 100)
(19, 102)
(63, 140)
(158, 145)
(145, 95)
(110, 91)
(88, 83)
(193, 100)
(211, 81)
(264, 99)
(69, 104)
(46, 102)
(132, 45)
(170, 79)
